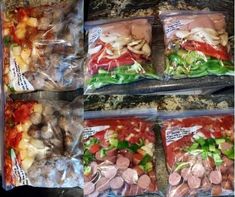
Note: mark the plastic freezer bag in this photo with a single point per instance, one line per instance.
(196, 44)
(200, 155)
(119, 52)
(42, 47)
(119, 157)
(42, 144)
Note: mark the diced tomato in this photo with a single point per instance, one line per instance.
(217, 52)
(22, 113)
(94, 148)
(137, 157)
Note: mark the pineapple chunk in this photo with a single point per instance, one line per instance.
(32, 151)
(24, 67)
(32, 22)
(23, 144)
(6, 32)
(37, 108)
(26, 125)
(37, 143)
(19, 127)
(26, 136)
(21, 26)
(27, 163)
(25, 54)
(16, 50)
(20, 33)
(23, 154)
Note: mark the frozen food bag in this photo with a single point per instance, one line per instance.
(119, 157)
(42, 144)
(200, 155)
(43, 46)
(196, 44)
(119, 52)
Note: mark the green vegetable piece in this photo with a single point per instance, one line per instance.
(7, 40)
(201, 141)
(182, 165)
(174, 58)
(148, 167)
(219, 141)
(204, 155)
(212, 148)
(194, 146)
(87, 157)
(87, 170)
(123, 145)
(134, 147)
(147, 158)
(103, 152)
(217, 159)
(230, 153)
(113, 142)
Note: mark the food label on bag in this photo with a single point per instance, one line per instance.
(90, 131)
(94, 34)
(17, 79)
(18, 172)
(173, 26)
(176, 133)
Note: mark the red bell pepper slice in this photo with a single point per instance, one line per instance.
(219, 53)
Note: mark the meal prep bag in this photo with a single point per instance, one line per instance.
(196, 44)
(119, 157)
(199, 155)
(119, 52)
(43, 46)
(42, 144)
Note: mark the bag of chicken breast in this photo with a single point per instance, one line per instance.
(119, 52)
(196, 44)
(199, 155)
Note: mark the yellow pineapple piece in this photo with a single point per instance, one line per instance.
(27, 163)
(16, 50)
(37, 108)
(25, 54)
(26, 125)
(32, 22)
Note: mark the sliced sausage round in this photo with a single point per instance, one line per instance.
(179, 191)
(89, 187)
(144, 181)
(193, 182)
(206, 185)
(185, 172)
(152, 176)
(122, 162)
(130, 176)
(98, 157)
(216, 190)
(133, 190)
(109, 171)
(152, 187)
(215, 177)
(209, 163)
(227, 162)
(102, 184)
(227, 185)
(139, 170)
(174, 178)
(198, 170)
(94, 194)
(116, 183)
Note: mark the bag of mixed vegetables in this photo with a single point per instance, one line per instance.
(196, 44)
(119, 157)
(41, 46)
(41, 144)
(200, 155)
(119, 52)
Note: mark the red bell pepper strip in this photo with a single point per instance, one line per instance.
(219, 53)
